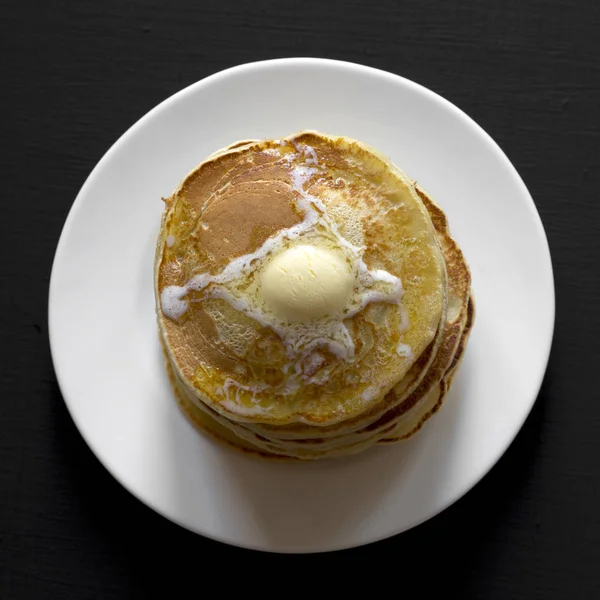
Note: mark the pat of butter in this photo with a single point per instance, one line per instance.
(305, 283)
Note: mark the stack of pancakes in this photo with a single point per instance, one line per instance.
(330, 379)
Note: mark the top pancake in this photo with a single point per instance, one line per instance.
(230, 207)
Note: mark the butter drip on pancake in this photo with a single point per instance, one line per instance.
(308, 317)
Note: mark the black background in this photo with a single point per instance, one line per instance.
(76, 75)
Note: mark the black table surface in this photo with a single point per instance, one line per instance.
(76, 75)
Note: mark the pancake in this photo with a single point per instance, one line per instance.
(232, 208)
(368, 358)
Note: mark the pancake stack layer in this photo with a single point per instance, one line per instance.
(311, 301)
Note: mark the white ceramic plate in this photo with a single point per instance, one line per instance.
(105, 345)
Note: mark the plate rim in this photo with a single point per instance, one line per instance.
(359, 69)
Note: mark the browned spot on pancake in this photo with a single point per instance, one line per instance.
(199, 184)
(172, 271)
(196, 333)
(266, 208)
